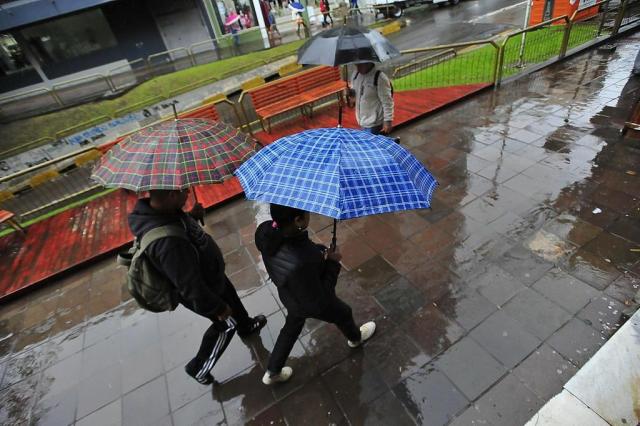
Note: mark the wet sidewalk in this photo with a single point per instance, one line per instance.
(486, 304)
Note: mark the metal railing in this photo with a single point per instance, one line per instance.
(122, 77)
(485, 61)
(447, 65)
(55, 183)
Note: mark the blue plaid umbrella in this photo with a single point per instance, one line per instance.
(340, 173)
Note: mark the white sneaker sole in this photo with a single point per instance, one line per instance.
(285, 375)
(366, 331)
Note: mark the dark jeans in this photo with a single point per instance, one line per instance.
(338, 313)
(219, 334)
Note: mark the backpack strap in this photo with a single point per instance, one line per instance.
(161, 232)
(376, 77)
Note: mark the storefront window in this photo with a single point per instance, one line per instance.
(70, 37)
(12, 57)
(229, 8)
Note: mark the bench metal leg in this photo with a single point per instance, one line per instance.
(15, 225)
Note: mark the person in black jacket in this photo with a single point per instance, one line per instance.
(196, 268)
(305, 274)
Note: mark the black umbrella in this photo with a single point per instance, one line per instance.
(346, 45)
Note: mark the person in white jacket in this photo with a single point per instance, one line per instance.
(372, 94)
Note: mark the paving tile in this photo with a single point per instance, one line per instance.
(537, 314)
(325, 346)
(505, 338)
(549, 246)
(261, 301)
(66, 344)
(470, 416)
(591, 269)
(105, 353)
(244, 395)
(271, 416)
(61, 376)
(508, 403)
(400, 299)
(99, 389)
(603, 314)
(395, 355)
(524, 265)
(101, 327)
(433, 280)
(613, 249)
(141, 367)
(576, 341)
(22, 365)
(372, 275)
(565, 290)
(430, 397)
(624, 288)
(312, 404)
(471, 381)
(573, 229)
(183, 389)
(136, 405)
(180, 347)
(109, 415)
(385, 410)
(59, 409)
(467, 307)
(236, 358)
(355, 383)
(432, 330)
(497, 285)
(545, 371)
(364, 305)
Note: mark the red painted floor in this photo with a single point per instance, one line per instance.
(84, 233)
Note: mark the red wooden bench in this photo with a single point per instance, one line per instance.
(295, 92)
(208, 111)
(9, 217)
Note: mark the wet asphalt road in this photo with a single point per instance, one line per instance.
(469, 20)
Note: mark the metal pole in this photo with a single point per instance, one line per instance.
(527, 15)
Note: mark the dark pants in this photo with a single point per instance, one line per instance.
(373, 130)
(219, 334)
(338, 313)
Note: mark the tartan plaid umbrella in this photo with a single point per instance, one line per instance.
(175, 154)
(340, 173)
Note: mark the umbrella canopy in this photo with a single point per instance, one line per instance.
(175, 154)
(340, 173)
(231, 19)
(297, 6)
(346, 45)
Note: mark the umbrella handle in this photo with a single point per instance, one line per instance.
(333, 239)
(195, 197)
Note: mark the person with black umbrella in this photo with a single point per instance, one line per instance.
(372, 95)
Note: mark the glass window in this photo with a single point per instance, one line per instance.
(229, 9)
(70, 37)
(12, 58)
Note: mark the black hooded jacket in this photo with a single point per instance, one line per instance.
(305, 280)
(196, 268)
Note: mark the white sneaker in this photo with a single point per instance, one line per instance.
(366, 331)
(283, 376)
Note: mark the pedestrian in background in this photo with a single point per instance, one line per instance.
(372, 94)
(326, 12)
(306, 275)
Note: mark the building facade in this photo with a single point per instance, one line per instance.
(43, 42)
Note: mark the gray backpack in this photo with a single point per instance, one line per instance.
(148, 286)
